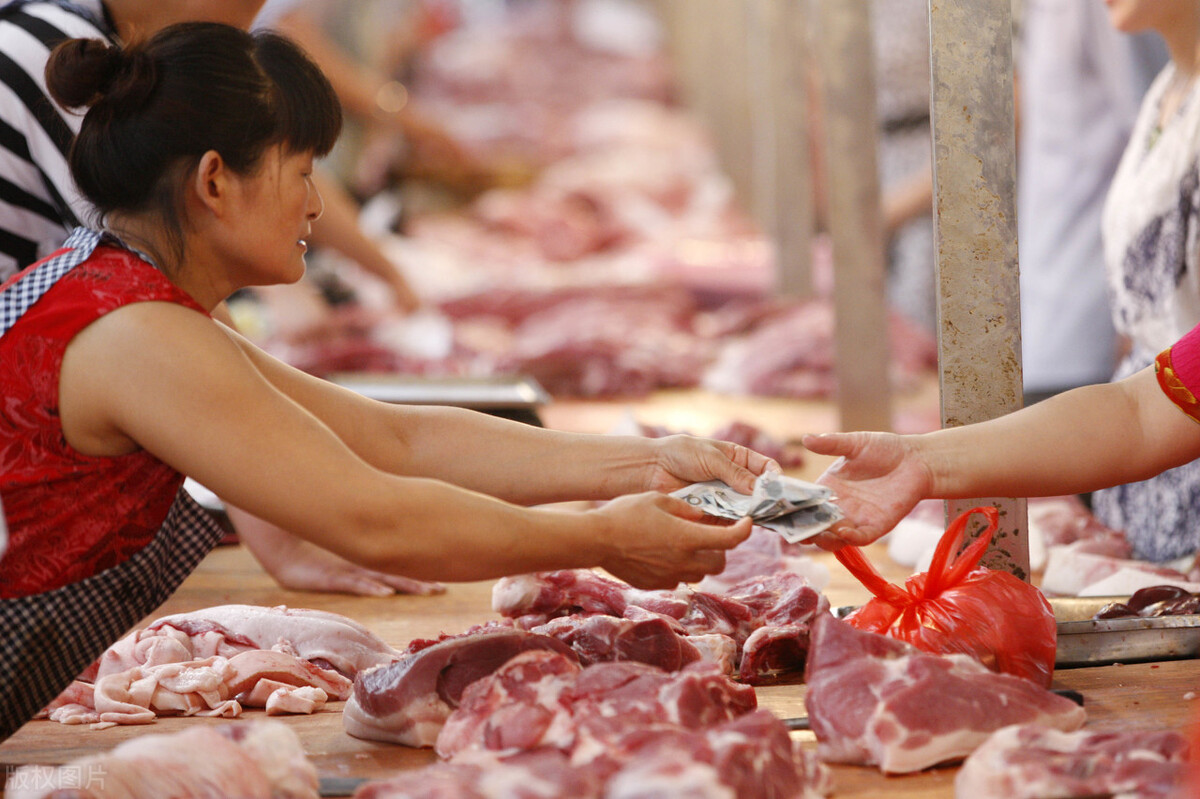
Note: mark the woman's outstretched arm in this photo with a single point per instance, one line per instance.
(1089, 438)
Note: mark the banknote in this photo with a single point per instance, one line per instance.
(796, 509)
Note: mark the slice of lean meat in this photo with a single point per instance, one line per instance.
(874, 700)
(252, 760)
(749, 757)
(601, 638)
(408, 701)
(1028, 762)
(771, 613)
(542, 699)
(542, 726)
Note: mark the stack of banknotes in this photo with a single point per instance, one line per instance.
(796, 509)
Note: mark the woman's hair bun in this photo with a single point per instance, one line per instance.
(84, 72)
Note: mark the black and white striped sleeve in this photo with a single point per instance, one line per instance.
(39, 204)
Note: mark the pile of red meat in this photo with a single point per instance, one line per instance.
(624, 729)
(593, 688)
(756, 629)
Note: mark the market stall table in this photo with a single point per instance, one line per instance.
(1132, 696)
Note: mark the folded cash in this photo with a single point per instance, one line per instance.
(796, 509)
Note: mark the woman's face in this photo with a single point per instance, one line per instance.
(278, 204)
(1135, 16)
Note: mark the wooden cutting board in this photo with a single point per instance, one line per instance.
(1141, 696)
(1130, 697)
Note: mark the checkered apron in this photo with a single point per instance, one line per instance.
(49, 638)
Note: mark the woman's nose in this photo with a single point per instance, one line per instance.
(316, 204)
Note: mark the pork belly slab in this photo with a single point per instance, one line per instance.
(874, 700)
(252, 760)
(408, 701)
(1029, 762)
(215, 661)
(328, 640)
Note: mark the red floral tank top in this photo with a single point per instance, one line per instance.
(71, 515)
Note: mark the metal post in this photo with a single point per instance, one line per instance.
(974, 174)
(855, 215)
(729, 71)
(792, 211)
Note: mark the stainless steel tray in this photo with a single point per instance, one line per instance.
(1083, 641)
(517, 392)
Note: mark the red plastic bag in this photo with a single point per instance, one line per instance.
(1000, 620)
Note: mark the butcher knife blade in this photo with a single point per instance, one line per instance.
(339, 786)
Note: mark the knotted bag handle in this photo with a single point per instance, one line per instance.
(940, 574)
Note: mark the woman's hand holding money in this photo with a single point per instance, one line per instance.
(658, 540)
(683, 460)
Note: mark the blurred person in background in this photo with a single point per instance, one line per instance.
(368, 77)
(39, 204)
(901, 32)
(1079, 86)
(1151, 229)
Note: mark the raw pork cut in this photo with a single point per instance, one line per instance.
(874, 700)
(1155, 600)
(1078, 569)
(600, 638)
(216, 660)
(749, 757)
(1030, 762)
(545, 595)
(782, 603)
(544, 699)
(215, 686)
(328, 640)
(254, 760)
(764, 552)
(535, 774)
(408, 701)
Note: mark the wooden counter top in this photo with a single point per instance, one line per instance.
(1143, 696)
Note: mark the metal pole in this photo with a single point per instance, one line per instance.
(855, 215)
(793, 213)
(975, 222)
(730, 74)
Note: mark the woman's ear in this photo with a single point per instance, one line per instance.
(211, 183)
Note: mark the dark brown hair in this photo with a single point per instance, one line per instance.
(156, 107)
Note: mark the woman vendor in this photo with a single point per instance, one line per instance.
(197, 151)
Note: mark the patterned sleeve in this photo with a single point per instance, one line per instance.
(1178, 372)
